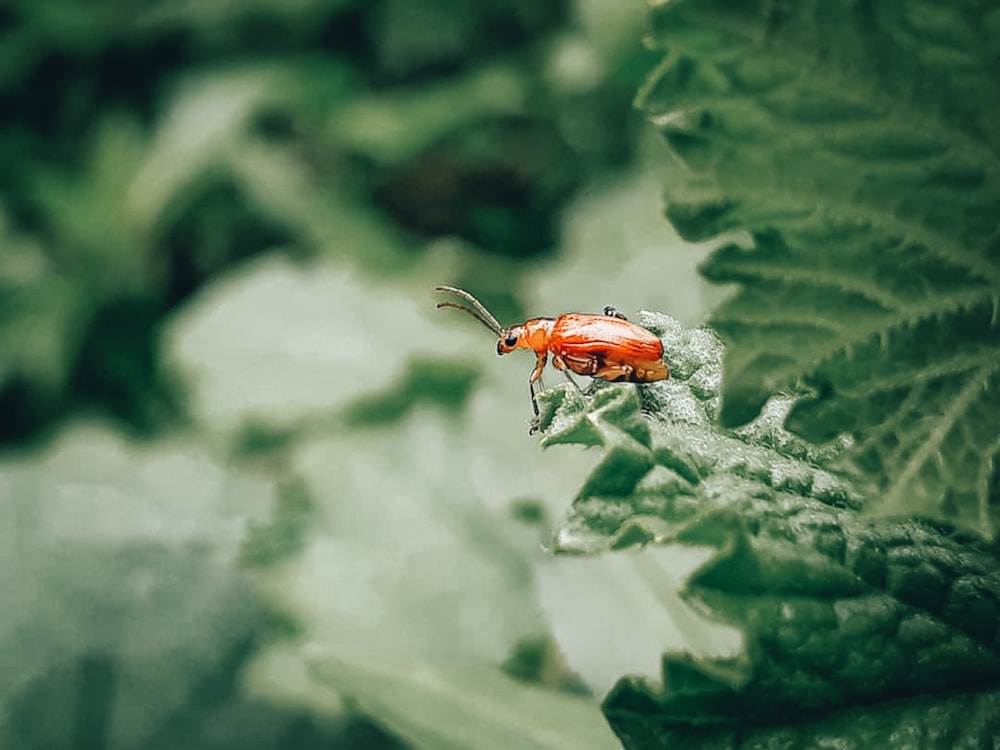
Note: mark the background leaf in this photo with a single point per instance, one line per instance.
(426, 593)
(856, 148)
(109, 572)
(617, 614)
(452, 708)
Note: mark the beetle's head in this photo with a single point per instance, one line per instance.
(511, 338)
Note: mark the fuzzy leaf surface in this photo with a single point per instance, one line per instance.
(838, 612)
(858, 148)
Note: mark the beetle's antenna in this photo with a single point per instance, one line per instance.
(474, 314)
(477, 310)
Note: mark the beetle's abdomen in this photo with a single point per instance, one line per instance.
(648, 372)
(609, 348)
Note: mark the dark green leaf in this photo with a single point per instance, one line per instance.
(837, 611)
(664, 473)
(857, 145)
(965, 720)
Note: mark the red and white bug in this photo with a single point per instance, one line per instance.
(602, 346)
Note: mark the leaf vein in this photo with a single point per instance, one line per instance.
(936, 438)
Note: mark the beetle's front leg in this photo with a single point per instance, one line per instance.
(536, 377)
(572, 380)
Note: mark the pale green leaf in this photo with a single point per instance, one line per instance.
(618, 613)
(397, 550)
(202, 124)
(277, 344)
(406, 574)
(452, 708)
(117, 561)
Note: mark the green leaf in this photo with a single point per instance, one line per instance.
(642, 614)
(966, 720)
(651, 474)
(293, 339)
(95, 239)
(390, 127)
(837, 612)
(118, 560)
(290, 192)
(198, 137)
(43, 317)
(433, 706)
(392, 544)
(452, 708)
(391, 549)
(859, 150)
(415, 590)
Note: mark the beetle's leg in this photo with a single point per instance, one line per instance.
(616, 372)
(586, 364)
(613, 312)
(560, 364)
(536, 377)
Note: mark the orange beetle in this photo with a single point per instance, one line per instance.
(603, 346)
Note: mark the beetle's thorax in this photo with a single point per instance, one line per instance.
(537, 333)
(533, 334)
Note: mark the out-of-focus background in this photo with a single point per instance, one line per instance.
(254, 490)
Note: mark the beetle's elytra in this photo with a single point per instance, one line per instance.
(604, 346)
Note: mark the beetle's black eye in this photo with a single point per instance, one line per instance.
(511, 340)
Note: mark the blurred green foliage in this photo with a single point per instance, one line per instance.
(219, 225)
(254, 492)
(147, 149)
